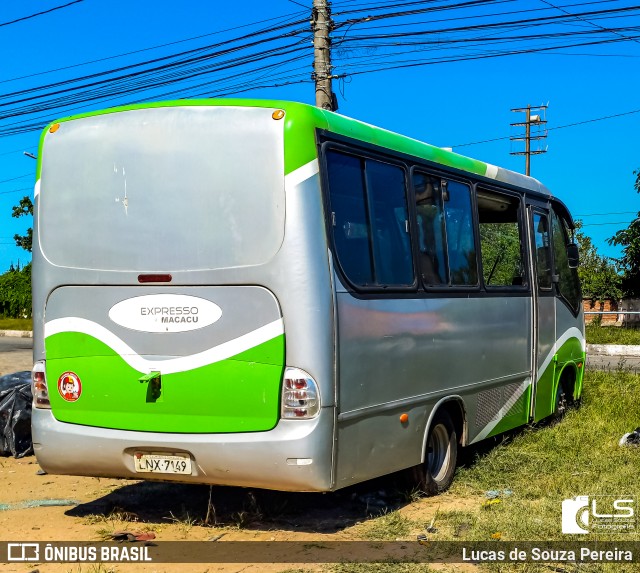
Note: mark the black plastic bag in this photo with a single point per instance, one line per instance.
(15, 415)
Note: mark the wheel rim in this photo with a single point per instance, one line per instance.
(561, 402)
(438, 452)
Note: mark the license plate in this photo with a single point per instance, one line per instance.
(162, 463)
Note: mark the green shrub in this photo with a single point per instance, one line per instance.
(15, 292)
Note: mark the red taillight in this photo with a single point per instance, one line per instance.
(39, 386)
(300, 397)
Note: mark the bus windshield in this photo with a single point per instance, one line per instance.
(163, 189)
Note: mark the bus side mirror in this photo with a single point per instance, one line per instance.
(573, 255)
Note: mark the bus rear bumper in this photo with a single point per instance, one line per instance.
(294, 456)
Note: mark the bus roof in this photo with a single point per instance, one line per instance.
(304, 119)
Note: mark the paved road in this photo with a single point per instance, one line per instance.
(603, 362)
(15, 354)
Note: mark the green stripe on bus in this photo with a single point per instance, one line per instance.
(566, 357)
(239, 394)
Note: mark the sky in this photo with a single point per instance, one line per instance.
(451, 87)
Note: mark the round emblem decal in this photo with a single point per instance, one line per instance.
(69, 386)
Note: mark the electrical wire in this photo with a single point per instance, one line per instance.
(554, 128)
(605, 214)
(40, 13)
(156, 47)
(16, 190)
(27, 92)
(612, 223)
(18, 177)
(240, 64)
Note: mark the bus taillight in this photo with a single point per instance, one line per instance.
(39, 386)
(300, 399)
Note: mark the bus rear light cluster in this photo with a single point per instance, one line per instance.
(300, 398)
(39, 386)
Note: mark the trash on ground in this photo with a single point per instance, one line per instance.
(496, 493)
(15, 415)
(630, 439)
(133, 536)
(38, 503)
(490, 502)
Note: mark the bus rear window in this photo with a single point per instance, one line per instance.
(163, 189)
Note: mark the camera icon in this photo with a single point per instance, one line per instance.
(575, 515)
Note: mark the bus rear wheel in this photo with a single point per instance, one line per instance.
(435, 475)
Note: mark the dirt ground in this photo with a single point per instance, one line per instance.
(95, 508)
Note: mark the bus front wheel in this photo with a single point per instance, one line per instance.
(435, 475)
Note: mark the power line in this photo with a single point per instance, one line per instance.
(191, 66)
(18, 150)
(40, 13)
(16, 190)
(148, 71)
(561, 8)
(156, 47)
(539, 21)
(19, 177)
(613, 223)
(605, 214)
(557, 127)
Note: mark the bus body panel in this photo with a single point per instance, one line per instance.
(291, 457)
(221, 377)
(404, 355)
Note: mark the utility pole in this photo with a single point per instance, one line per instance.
(321, 25)
(538, 120)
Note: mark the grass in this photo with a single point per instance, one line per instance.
(612, 335)
(16, 323)
(541, 466)
(577, 456)
(389, 526)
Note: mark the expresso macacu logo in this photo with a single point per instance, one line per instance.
(165, 313)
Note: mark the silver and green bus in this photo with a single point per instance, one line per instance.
(267, 294)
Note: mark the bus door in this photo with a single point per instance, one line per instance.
(544, 312)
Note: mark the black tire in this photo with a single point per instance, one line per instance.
(435, 475)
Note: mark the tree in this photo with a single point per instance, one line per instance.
(25, 207)
(15, 292)
(598, 274)
(629, 240)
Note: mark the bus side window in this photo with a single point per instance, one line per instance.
(350, 220)
(445, 231)
(369, 217)
(543, 253)
(393, 263)
(500, 239)
(431, 238)
(463, 267)
(568, 281)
